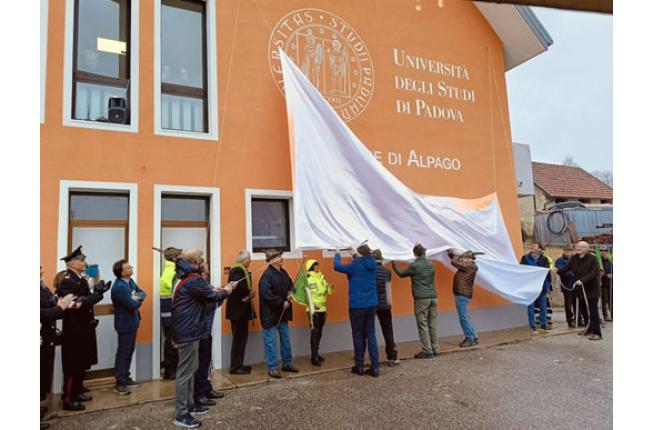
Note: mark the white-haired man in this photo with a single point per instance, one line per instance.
(586, 277)
(240, 311)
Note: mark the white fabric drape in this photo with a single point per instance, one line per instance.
(342, 195)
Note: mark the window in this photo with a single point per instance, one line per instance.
(101, 59)
(270, 224)
(184, 98)
(606, 202)
(185, 223)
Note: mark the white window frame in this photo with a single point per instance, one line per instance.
(44, 53)
(133, 73)
(215, 269)
(211, 74)
(65, 188)
(270, 194)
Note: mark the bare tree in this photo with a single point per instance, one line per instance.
(604, 176)
(569, 161)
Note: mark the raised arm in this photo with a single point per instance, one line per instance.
(410, 270)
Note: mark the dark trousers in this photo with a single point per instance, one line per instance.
(385, 320)
(47, 369)
(73, 383)
(201, 381)
(568, 296)
(363, 334)
(319, 319)
(124, 354)
(239, 335)
(595, 320)
(582, 316)
(606, 302)
(170, 353)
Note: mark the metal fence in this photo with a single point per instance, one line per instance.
(555, 227)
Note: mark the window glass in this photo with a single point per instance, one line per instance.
(101, 67)
(270, 225)
(91, 207)
(182, 113)
(184, 208)
(102, 37)
(182, 43)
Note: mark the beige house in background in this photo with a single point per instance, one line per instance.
(554, 184)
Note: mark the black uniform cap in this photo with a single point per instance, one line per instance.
(75, 255)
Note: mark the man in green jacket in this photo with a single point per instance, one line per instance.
(425, 302)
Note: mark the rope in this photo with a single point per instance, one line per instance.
(226, 96)
(573, 287)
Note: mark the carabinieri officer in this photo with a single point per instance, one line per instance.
(79, 343)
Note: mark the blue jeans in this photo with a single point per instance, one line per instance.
(124, 353)
(462, 303)
(270, 346)
(531, 311)
(362, 331)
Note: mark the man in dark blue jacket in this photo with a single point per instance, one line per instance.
(537, 258)
(363, 300)
(189, 315)
(127, 299)
(275, 288)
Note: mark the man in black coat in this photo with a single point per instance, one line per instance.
(240, 311)
(52, 309)
(586, 277)
(79, 342)
(275, 288)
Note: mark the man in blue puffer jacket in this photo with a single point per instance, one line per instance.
(363, 300)
(189, 316)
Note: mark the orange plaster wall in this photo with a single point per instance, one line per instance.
(253, 151)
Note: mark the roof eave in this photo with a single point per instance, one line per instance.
(521, 32)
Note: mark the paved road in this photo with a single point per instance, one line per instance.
(559, 382)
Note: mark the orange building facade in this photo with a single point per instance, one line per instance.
(163, 124)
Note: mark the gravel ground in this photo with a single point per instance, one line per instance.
(558, 382)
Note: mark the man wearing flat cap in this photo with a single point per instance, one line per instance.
(275, 288)
(463, 289)
(79, 343)
(425, 300)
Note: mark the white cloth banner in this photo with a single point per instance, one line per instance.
(342, 195)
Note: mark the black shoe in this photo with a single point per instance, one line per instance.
(571, 324)
(73, 406)
(357, 370)
(170, 376)
(187, 421)
(290, 368)
(203, 401)
(249, 368)
(121, 390)
(322, 359)
(316, 362)
(372, 372)
(423, 355)
(239, 371)
(85, 390)
(84, 398)
(198, 410)
(212, 394)
(466, 343)
(131, 383)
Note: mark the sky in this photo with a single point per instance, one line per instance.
(561, 100)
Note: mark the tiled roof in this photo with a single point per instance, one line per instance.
(569, 182)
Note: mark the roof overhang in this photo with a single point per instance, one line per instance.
(522, 34)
